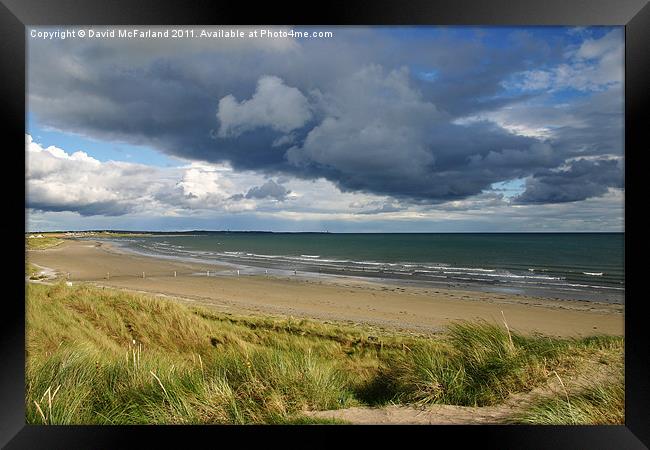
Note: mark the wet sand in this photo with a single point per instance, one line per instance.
(347, 300)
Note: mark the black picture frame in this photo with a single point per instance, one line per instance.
(15, 15)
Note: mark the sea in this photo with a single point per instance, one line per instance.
(576, 266)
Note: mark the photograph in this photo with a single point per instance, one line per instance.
(336, 225)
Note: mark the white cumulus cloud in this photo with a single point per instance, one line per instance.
(274, 105)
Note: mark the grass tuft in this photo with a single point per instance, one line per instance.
(603, 404)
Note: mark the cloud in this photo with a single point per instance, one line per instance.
(582, 179)
(270, 189)
(58, 181)
(380, 135)
(369, 117)
(596, 65)
(274, 105)
(353, 111)
(383, 208)
(75, 191)
(598, 49)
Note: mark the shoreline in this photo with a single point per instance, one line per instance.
(344, 299)
(315, 268)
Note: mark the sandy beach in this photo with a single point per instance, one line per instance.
(347, 300)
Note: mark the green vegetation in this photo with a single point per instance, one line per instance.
(42, 243)
(603, 404)
(113, 234)
(58, 235)
(99, 356)
(482, 364)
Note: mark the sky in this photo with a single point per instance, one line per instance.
(373, 129)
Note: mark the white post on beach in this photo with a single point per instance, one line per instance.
(237, 272)
(142, 274)
(174, 273)
(207, 273)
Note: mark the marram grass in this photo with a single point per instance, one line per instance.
(99, 356)
(603, 404)
(480, 365)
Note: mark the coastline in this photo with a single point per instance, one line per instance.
(564, 276)
(342, 299)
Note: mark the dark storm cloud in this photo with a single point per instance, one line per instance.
(601, 126)
(581, 180)
(384, 208)
(354, 109)
(269, 189)
(472, 73)
(111, 208)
